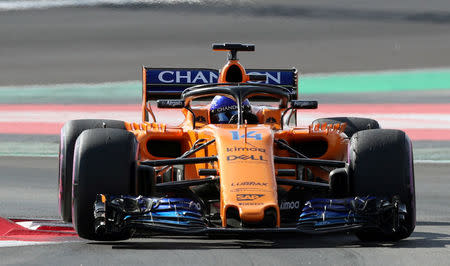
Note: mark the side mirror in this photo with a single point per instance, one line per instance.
(170, 103)
(298, 104)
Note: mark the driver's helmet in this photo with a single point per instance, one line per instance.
(222, 109)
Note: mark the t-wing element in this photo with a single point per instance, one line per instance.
(233, 48)
(233, 71)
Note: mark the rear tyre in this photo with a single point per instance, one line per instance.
(354, 124)
(381, 165)
(69, 134)
(104, 162)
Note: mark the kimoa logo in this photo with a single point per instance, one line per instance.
(248, 197)
(256, 149)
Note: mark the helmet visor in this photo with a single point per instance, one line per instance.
(222, 117)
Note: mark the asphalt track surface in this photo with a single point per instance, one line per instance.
(109, 44)
(28, 188)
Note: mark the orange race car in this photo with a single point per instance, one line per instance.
(239, 164)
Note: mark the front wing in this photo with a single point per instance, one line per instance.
(146, 216)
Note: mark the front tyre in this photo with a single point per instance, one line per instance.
(69, 134)
(104, 163)
(381, 164)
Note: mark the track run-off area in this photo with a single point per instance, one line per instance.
(41, 110)
(419, 121)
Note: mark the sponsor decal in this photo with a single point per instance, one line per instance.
(224, 109)
(249, 190)
(271, 120)
(250, 135)
(250, 203)
(195, 205)
(243, 157)
(250, 184)
(230, 108)
(187, 76)
(248, 197)
(172, 103)
(254, 149)
(202, 76)
(272, 78)
(200, 119)
(289, 205)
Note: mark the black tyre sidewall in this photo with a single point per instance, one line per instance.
(381, 164)
(69, 134)
(104, 163)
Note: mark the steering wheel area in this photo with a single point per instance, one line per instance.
(239, 92)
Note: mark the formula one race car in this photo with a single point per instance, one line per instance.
(234, 167)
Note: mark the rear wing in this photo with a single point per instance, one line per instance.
(158, 83)
(166, 83)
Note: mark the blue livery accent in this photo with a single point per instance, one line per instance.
(332, 212)
(250, 135)
(223, 109)
(163, 211)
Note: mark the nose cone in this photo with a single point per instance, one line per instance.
(247, 175)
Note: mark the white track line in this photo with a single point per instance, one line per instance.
(14, 243)
(431, 161)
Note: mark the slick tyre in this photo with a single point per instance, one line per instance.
(381, 164)
(104, 163)
(69, 134)
(354, 124)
